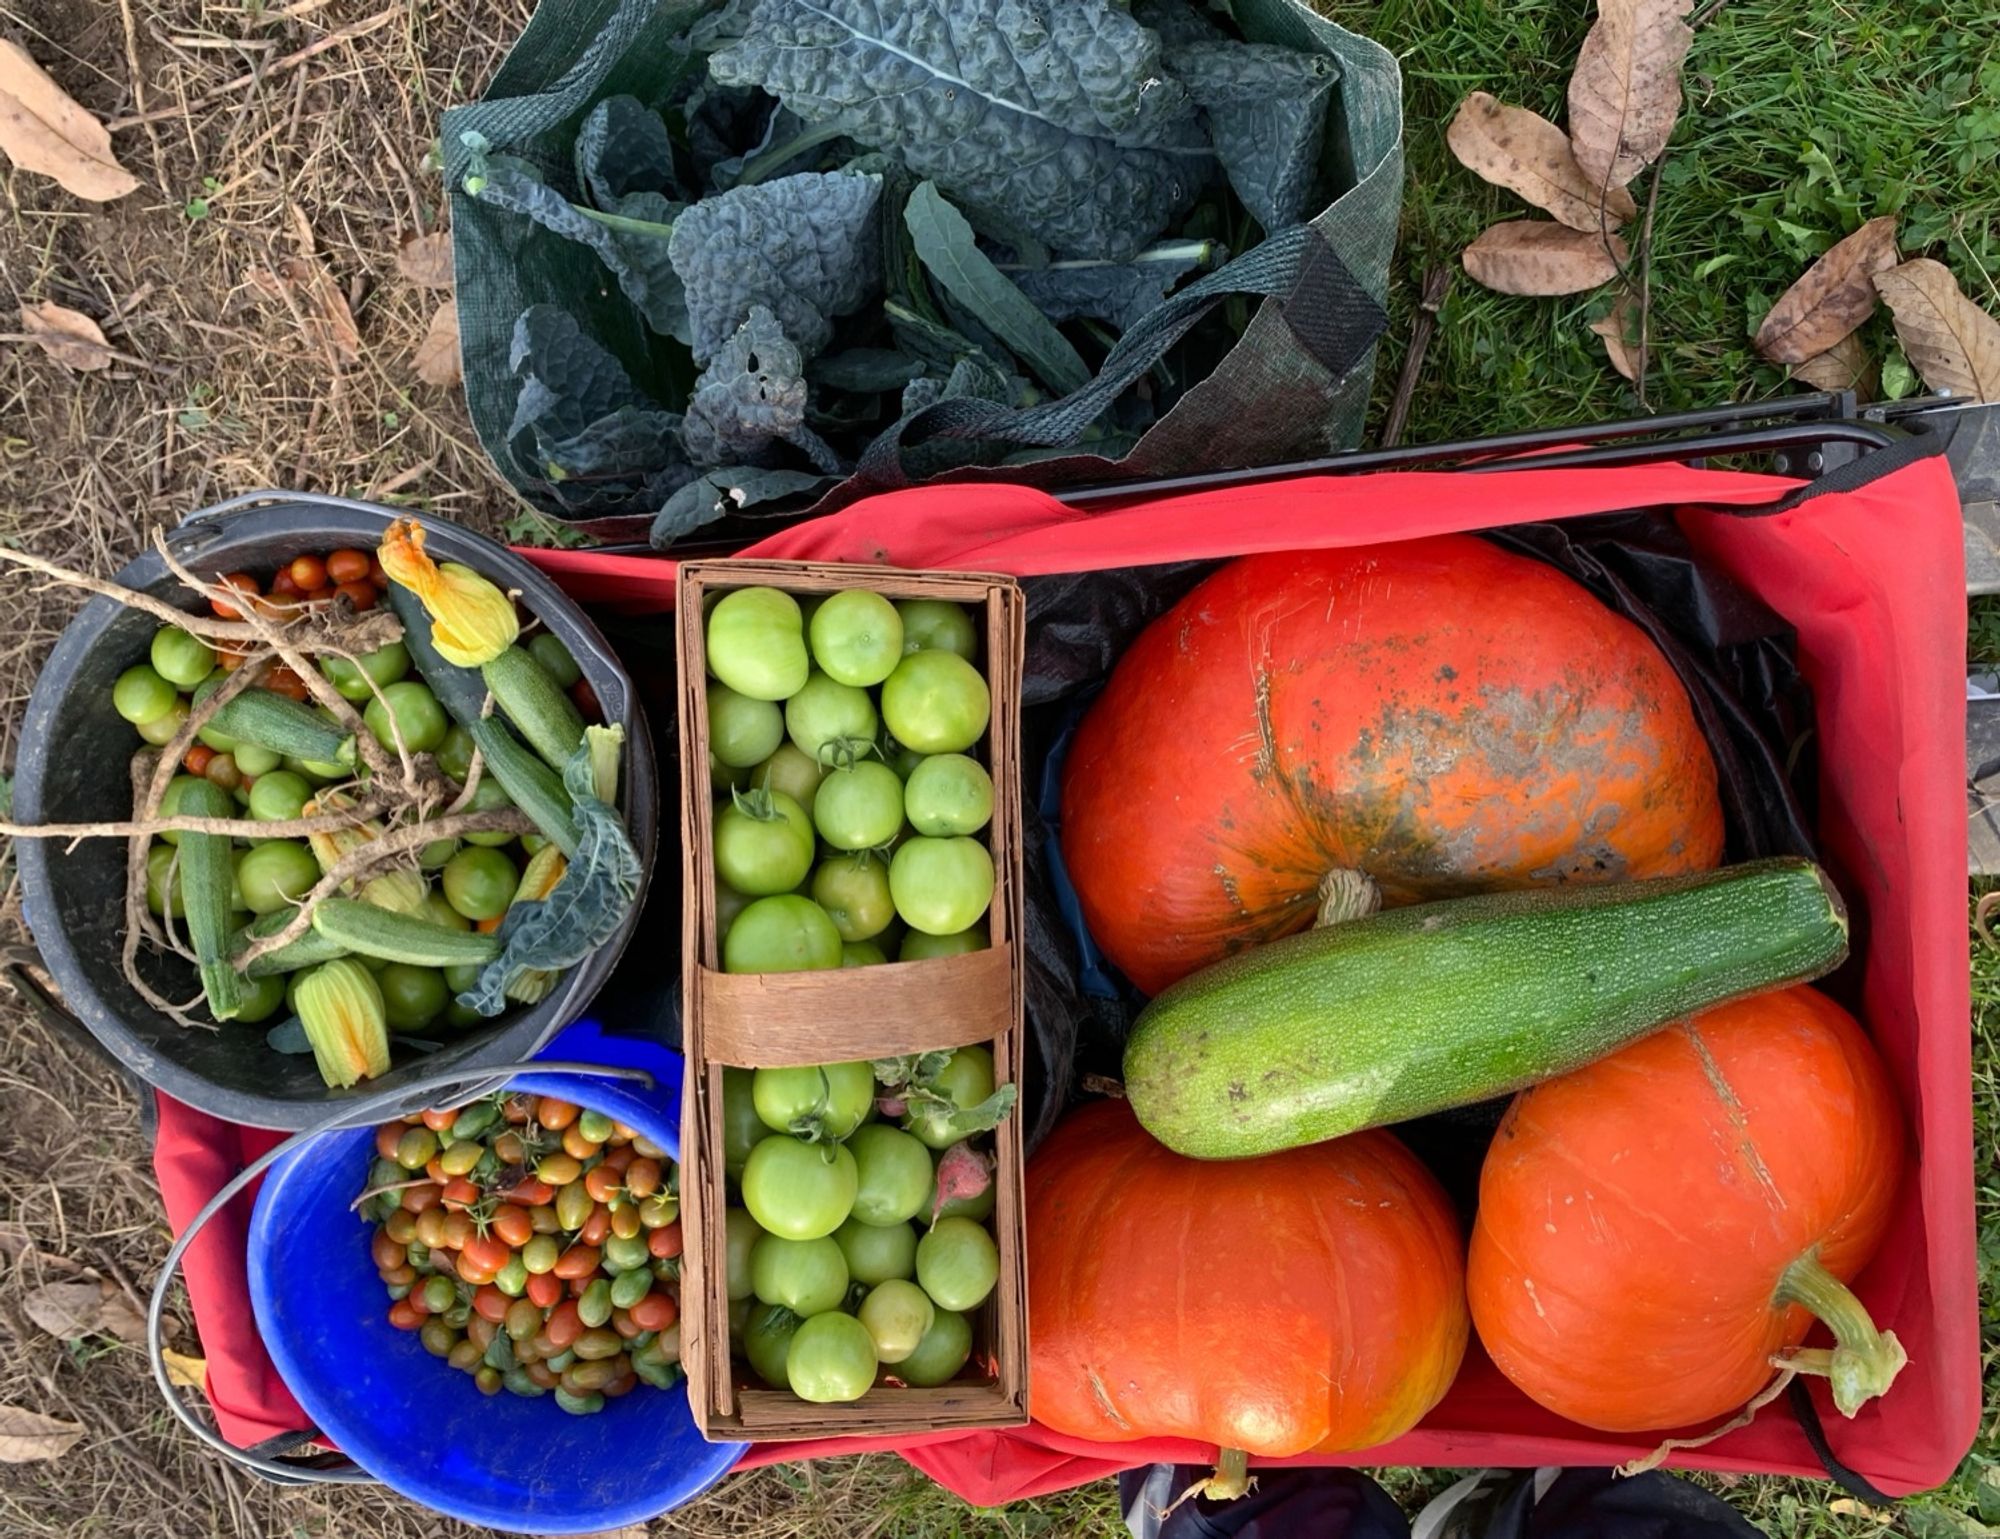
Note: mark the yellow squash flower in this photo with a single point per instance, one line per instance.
(472, 620)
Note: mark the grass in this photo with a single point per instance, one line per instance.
(1801, 122)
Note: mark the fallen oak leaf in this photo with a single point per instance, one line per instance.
(185, 1371)
(436, 359)
(69, 336)
(1538, 256)
(1625, 91)
(307, 289)
(76, 1309)
(1952, 343)
(1844, 366)
(28, 1437)
(44, 129)
(1524, 152)
(425, 260)
(1619, 345)
(1835, 295)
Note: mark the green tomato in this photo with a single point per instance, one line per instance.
(941, 1354)
(728, 904)
(742, 731)
(949, 794)
(480, 883)
(415, 712)
(141, 695)
(965, 1080)
(941, 886)
(857, 637)
(547, 649)
(384, 666)
(757, 645)
(161, 730)
(919, 947)
(763, 844)
(898, 1315)
(978, 1208)
(462, 977)
(262, 999)
(791, 771)
(854, 891)
(740, 1233)
(958, 1263)
(859, 808)
(814, 1100)
(903, 761)
(861, 954)
(893, 1174)
(877, 1252)
(938, 625)
(436, 855)
(831, 1359)
(311, 772)
(783, 934)
(460, 1016)
(158, 897)
(279, 796)
(276, 875)
(489, 796)
(412, 997)
(806, 1276)
(829, 721)
(454, 754)
(170, 802)
(766, 1339)
(180, 658)
(254, 760)
(798, 1190)
(742, 1128)
(936, 702)
(438, 910)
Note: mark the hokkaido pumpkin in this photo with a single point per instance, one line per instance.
(1655, 1229)
(1440, 714)
(1312, 1299)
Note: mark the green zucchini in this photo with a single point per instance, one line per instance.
(537, 789)
(369, 931)
(279, 723)
(206, 875)
(1421, 1009)
(309, 950)
(533, 702)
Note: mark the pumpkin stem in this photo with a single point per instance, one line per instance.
(1346, 894)
(1864, 1362)
(1232, 1478)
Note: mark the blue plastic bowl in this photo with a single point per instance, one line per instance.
(423, 1429)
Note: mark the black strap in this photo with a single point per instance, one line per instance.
(1334, 318)
(1851, 1481)
(1927, 438)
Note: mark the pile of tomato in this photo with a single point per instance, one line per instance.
(533, 1244)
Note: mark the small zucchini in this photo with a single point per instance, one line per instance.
(281, 724)
(369, 931)
(309, 950)
(535, 704)
(206, 875)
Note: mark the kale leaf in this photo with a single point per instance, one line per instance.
(734, 489)
(622, 148)
(1115, 293)
(1054, 115)
(805, 247)
(751, 398)
(1265, 107)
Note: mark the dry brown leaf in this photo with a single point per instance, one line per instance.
(303, 285)
(70, 337)
(1951, 343)
(185, 1371)
(73, 1310)
(1834, 297)
(1619, 344)
(16, 1242)
(1538, 256)
(1626, 89)
(27, 1437)
(1844, 366)
(1524, 152)
(425, 260)
(436, 358)
(43, 129)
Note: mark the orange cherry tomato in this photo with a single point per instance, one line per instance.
(460, 1193)
(621, 1386)
(417, 1198)
(533, 1193)
(282, 681)
(625, 1221)
(375, 573)
(430, 1228)
(619, 1156)
(364, 596)
(576, 1145)
(457, 1230)
(596, 1227)
(623, 1323)
(490, 1303)
(307, 573)
(512, 1226)
(556, 1115)
(386, 1252)
(196, 763)
(242, 582)
(438, 1119)
(282, 585)
(347, 565)
(665, 1241)
(405, 1316)
(545, 1289)
(643, 1178)
(656, 1311)
(387, 1136)
(602, 1182)
(577, 1261)
(484, 1253)
(435, 1170)
(565, 1324)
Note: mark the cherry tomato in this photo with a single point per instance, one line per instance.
(565, 1325)
(364, 596)
(585, 700)
(347, 565)
(387, 1254)
(512, 1226)
(418, 1198)
(491, 1303)
(596, 1228)
(460, 1193)
(554, 1114)
(375, 573)
(545, 1289)
(664, 1242)
(405, 1316)
(283, 586)
(576, 1144)
(438, 1120)
(655, 1312)
(457, 1230)
(389, 1138)
(642, 1178)
(242, 582)
(602, 1182)
(199, 757)
(625, 1223)
(532, 1193)
(307, 572)
(577, 1261)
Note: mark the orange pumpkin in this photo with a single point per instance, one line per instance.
(1654, 1229)
(1441, 714)
(1312, 1299)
